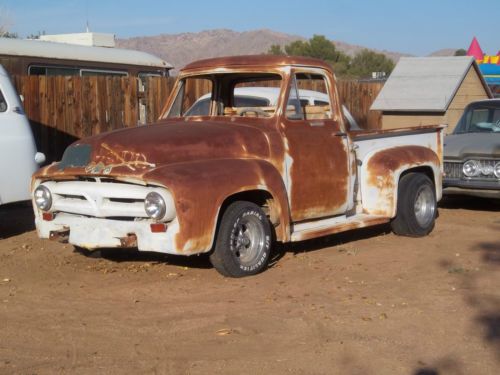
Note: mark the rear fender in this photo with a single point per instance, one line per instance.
(382, 169)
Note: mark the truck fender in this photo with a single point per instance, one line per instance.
(382, 169)
(200, 188)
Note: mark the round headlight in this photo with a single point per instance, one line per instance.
(496, 170)
(155, 206)
(471, 168)
(43, 198)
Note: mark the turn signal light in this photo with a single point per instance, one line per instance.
(158, 228)
(47, 216)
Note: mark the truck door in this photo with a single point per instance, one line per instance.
(316, 146)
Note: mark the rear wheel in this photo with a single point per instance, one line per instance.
(417, 206)
(243, 241)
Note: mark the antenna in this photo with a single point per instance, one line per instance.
(87, 16)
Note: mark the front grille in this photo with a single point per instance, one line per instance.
(453, 170)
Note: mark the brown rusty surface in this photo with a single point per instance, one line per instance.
(201, 187)
(201, 163)
(384, 165)
(255, 60)
(319, 171)
(341, 228)
(129, 241)
(382, 132)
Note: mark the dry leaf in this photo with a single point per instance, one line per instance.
(224, 332)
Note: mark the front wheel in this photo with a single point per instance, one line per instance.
(417, 206)
(243, 241)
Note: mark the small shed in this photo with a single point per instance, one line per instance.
(429, 91)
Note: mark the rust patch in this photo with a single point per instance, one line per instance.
(384, 164)
(255, 61)
(395, 158)
(200, 189)
(129, 241)
(319, 171)
(341, 228)
(108, 158)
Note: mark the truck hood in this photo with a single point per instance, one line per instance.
(135, 151)
(461, 146)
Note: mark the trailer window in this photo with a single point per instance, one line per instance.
(99, 72)
(3, 103)
(37, 70)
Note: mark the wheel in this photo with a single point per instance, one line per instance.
(417, 207)
(243, 241)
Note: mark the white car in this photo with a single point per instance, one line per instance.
(18, 156)
(268, 96)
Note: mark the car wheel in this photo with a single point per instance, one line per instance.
(243, 241)
(417, 206)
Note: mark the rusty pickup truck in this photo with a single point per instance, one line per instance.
(231, 175)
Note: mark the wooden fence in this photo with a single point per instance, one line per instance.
(64, 109)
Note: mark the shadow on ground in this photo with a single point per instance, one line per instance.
(15, 219)
(464, 202)
(133, 255)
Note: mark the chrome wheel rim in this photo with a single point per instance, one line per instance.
(248, 240)
(425, 206)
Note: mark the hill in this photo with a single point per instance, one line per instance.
(180, 49)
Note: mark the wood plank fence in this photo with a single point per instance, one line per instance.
(64, 109)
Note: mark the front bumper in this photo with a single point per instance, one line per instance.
(471, 184)
(93, 233)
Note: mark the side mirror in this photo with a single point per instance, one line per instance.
(40, 158)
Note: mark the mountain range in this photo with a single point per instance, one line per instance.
(180, 49)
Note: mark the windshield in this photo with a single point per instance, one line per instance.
(228, 95)
(480, 118)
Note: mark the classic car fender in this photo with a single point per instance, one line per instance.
(382, 169)
(200, 189)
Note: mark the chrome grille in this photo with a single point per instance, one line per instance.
(453, 170)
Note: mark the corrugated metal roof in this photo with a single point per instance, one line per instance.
(423, 84)
(63, 51)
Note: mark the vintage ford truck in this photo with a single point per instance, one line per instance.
(238, 174)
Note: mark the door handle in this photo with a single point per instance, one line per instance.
(340, 134)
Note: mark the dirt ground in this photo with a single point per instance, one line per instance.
(363, 302)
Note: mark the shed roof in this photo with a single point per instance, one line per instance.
(425, 84)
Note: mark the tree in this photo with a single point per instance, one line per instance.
(460, 52)
(318, 47)
(276, 50)
(5, 23)
(365, 62)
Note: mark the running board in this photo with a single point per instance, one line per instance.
(323, 227)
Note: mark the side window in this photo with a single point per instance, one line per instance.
(293, 105)
(314, 86)
(193, 98)
(3, 103)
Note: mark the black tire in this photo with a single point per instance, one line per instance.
(243, 241)
(417, 206)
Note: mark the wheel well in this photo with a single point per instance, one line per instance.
(425, 170)
(260, 197)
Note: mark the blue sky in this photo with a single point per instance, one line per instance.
(416, 27)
